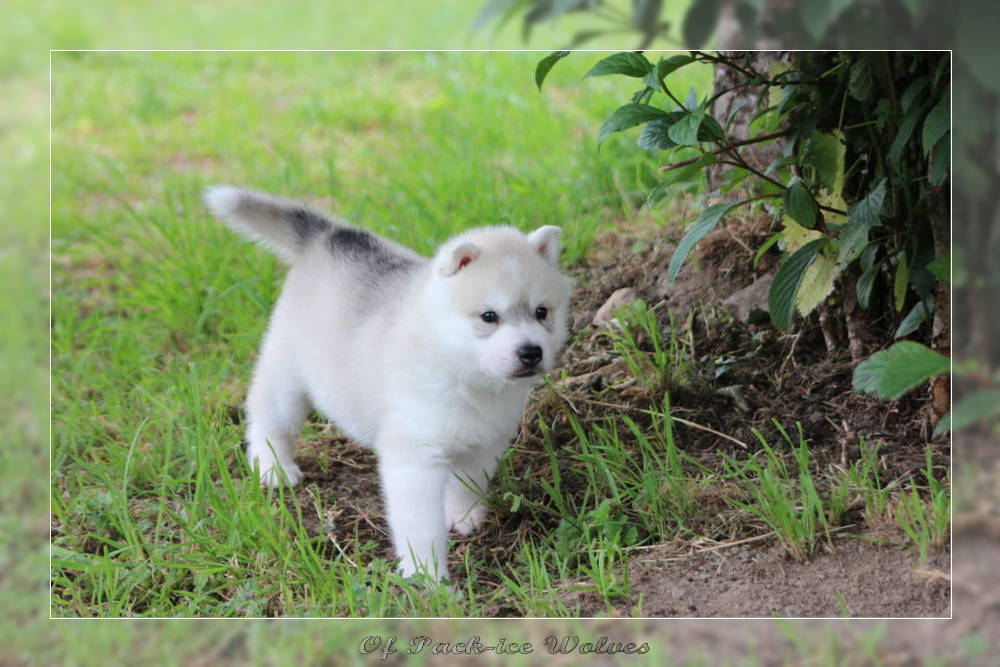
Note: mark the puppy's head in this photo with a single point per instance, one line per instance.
(501, 303)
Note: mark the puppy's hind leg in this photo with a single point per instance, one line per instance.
(276, 409)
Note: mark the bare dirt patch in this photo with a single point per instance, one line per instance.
(850, 578)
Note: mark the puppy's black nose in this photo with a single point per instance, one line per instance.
(529, 355)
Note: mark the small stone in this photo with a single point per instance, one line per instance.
(750, 303)
(618, 298)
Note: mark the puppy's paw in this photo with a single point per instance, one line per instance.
(466, 523)
(274, 473)
(289, 474)
(426, 575)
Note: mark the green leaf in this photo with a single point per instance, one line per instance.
(781, 299)
(685, 131)
(764, 121)
(868, 257)
(941, 160)
(642, 95)
(711, 130)
(795, 235)
(627, 63)
(940, 267)
(977, 406)
(739, 106)
(701, 227)
(545, 64)
(779, 163)
(937, 123)
(853, 241)
(917, 316)
(826, 155)
(767, 245)
(733, 178)
(628, 116)
(913, 92)
(656, 134)
(861, 217)
(944, 425)
(867, 211)
(906, 128)
(860, 82)
(891, 373)
(691, 101)
(656, 192)
(865, 284)
(799, 204)
(700, 22)
(664, 68)
(817, 283)
(901, 281)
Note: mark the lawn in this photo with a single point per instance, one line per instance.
(157, 310)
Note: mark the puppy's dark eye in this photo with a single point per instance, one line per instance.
(489, 317)
(541, 312)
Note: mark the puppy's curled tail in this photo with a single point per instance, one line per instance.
(285, 227)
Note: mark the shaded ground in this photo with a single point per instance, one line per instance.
(738, 377)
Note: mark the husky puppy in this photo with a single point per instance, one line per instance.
(427, 360)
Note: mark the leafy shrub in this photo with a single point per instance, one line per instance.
(858, 189)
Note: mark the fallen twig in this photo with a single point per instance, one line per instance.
(709, 430)
(718, 547)
(629, 408)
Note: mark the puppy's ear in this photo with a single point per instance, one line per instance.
(459, 257)
(545, 241)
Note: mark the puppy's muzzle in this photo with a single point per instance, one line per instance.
(530, 356)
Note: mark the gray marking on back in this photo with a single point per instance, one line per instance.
(378, 269)
(366, 249)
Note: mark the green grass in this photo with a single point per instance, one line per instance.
(926, 522)
(666, 364)
(785, 498)
(158, 310)
(858, 484)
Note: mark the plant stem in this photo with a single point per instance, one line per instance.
(743, 142)
(728, 63)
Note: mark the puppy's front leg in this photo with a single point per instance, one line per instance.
(414, 495)
(468, 478)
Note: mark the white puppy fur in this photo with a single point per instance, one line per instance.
(428, 361)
